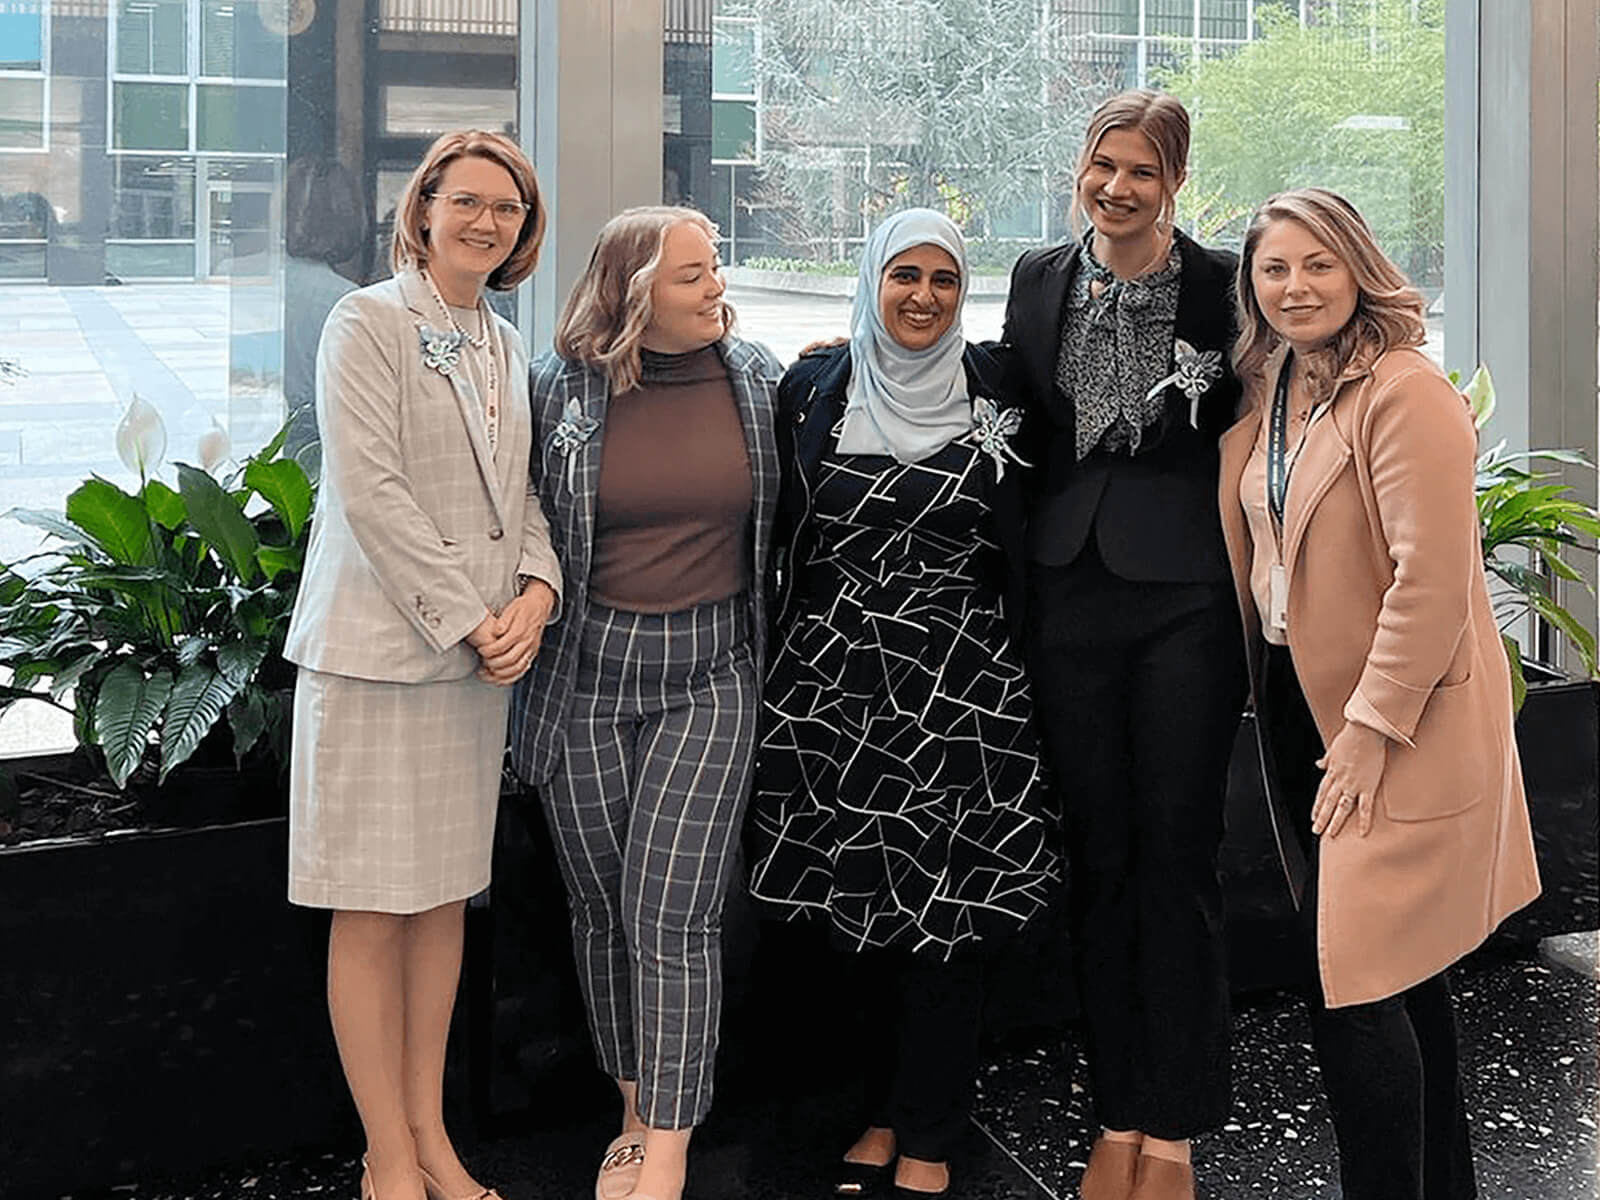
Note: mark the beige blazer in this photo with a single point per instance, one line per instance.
(1389, 624)
(419, 531)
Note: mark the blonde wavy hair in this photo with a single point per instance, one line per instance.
(609, 308)
(1389, 311)
(1162, 118)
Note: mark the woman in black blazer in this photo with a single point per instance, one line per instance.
(1132, 636)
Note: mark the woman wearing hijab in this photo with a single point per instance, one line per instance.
(897, 785)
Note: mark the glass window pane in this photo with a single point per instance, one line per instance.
(235, 38)
(153, 198)
(152, 37)
(733, 51)
(21, 35)
(150, 116)
(21, 114)
(245, 119)
(733, 131)
(22, 260)
(430, 111)
(160, 260)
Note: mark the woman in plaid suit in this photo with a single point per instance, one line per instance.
(657, 465)
(426, 589)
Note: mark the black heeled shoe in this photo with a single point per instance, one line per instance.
(862, 1179)
(905, 1193)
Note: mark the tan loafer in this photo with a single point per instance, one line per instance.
(1112, 1169)
(619, 1169)
(1163, 1179)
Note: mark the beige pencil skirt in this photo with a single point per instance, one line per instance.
(393, 791)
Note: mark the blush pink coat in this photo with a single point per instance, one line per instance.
(1389, 624)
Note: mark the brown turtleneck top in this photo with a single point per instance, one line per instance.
(672, 511)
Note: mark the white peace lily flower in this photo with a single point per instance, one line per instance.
(214, 447)
(141, 437)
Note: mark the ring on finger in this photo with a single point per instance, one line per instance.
(1346, 800)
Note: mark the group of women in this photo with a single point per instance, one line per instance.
(891, 618)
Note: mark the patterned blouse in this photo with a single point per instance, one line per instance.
(1113, 348)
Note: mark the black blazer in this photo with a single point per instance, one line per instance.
(811, 399)
(1153, 514)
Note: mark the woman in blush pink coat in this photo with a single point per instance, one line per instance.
(1379, 675)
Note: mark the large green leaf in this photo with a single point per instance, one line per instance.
(197, 700)
(275, 560)
(68, 676)
(124, 713)
(239, 660)
(115, 521)
(1519, 681)
(247, 717)
(283, 484)
(165, 506)
(216, 517)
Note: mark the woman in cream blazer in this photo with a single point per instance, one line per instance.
(428, 582)
(1347, 506)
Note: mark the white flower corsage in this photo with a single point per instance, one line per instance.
(993, 430)
(574, 429)
(1196, 371)
(441, 349)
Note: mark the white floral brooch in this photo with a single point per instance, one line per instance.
(574, 429)
(441, 350)
(1196, 371)
(993, 430)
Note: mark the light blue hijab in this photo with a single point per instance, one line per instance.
(907, 403)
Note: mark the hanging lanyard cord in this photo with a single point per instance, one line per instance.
(1278, 464)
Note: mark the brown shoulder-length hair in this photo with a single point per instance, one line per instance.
(1389, 311)
(410, 245)
(1162, 118)
(609, 308)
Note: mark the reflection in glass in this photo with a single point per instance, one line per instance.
(152, 37)
(246, 120)
(150, 116)
(235, 42)
(21, 114)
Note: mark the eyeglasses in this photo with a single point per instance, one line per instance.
(468, 205)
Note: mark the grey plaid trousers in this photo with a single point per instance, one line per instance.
(645, 807)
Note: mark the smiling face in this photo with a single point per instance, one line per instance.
(686, 297)
(1305, 290)
(1121, 186)
(463, 249)
(919, 295)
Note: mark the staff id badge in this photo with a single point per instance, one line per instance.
(1278, 596)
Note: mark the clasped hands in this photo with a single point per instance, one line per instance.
(507, 641)
(1353, 765)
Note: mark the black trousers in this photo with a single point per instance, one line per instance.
(921, 1046)
(1139, 689)
(1389, 1068)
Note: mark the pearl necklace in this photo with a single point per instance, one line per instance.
(492, 408)
(477, 343)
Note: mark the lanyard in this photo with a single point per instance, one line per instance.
(1278, 464)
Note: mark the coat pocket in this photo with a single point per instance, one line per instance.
(1453, 765)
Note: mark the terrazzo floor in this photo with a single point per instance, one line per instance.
(1529, 1049)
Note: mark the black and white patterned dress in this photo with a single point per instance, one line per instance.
(898, 783)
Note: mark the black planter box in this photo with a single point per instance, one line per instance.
(161, 1008)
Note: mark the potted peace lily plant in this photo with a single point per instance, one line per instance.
(1532, 526)
(152, 960)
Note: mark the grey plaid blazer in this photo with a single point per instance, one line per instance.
(565, 396)
(419, 530)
